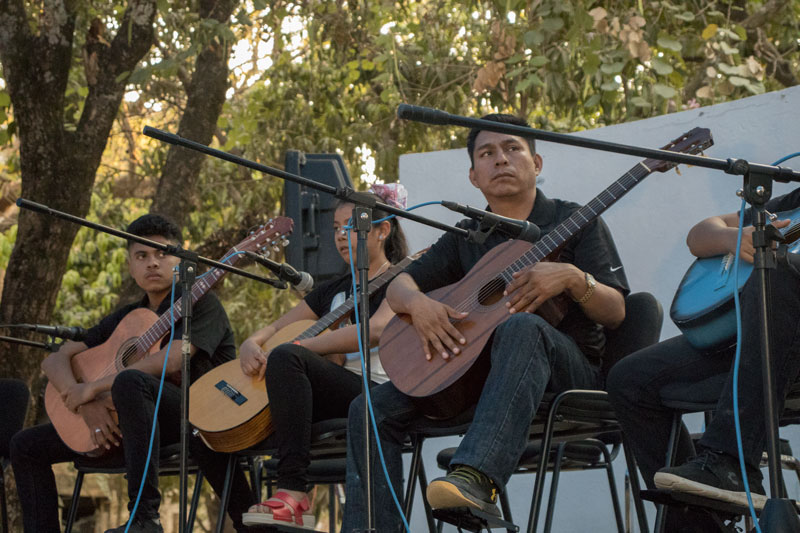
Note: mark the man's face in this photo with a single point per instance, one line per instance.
(503, 165)
(151, 268)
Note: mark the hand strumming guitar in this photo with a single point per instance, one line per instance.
(531, 288)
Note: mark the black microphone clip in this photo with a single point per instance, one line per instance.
(489, 222)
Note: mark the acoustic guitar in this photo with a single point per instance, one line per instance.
(231, 410)
(703, 307)
(136, 336)
(443, 388)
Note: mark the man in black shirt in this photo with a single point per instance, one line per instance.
(527, 354)
(675, 369)
(132, 395)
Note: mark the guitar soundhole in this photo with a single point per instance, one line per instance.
(127, 354)
(492, 292)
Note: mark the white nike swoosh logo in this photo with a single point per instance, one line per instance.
(613, 269)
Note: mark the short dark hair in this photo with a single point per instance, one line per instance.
(504, 118)
(154, 224)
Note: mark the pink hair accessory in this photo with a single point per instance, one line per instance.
(393, 194)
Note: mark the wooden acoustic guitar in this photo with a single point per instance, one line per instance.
(138, 335)
(231, 410)
(446, 387)
(703, 307)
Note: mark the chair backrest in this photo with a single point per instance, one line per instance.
(641, 328)
(14, 397)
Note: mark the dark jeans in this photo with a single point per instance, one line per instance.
(528, 357)
(303, 388)
(35, 450)
(673, 369)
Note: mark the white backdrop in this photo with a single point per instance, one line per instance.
(649, 225)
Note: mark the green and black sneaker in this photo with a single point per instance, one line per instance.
(464, 487)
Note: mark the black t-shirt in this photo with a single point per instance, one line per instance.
(591, 250)
(785, 202)
(323, 299)
(211, 331)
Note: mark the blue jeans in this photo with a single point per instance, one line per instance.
(528, 357)
(673, 369)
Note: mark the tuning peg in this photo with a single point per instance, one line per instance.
(284, 242)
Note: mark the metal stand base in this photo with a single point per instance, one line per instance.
(472, 519)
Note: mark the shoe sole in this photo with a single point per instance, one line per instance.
(443, 495)
(667, 481)
(260, 519)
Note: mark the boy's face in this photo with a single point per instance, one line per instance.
(151, 268)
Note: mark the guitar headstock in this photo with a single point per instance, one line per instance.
(272, 234)
(693, 142)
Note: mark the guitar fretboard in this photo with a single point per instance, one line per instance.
(337, 314)
(578, 220)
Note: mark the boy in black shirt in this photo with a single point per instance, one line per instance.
(132, 394)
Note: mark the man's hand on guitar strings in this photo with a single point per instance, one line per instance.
(432, 321)
(531, 288)
(252, 359)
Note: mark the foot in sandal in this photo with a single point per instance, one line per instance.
(285, 507)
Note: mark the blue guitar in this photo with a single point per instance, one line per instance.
(703, 307)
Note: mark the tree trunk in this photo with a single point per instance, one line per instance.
(58, 166)
(205, 95)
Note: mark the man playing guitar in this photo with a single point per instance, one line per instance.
(119, 408)
(528, 355)
(635, 383)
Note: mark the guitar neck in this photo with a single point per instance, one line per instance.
(581, 218)
(343, 310)
(200, 287)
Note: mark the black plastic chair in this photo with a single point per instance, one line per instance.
(14, 397)
(169, 465)
(577, 415)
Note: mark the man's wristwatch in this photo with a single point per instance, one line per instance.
(591, 283)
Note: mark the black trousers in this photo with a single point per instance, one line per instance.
(303, 388)
(34, 451)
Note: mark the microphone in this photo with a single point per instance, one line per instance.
(423, 114)
(62, 332)
(302, 281)
(517, 229)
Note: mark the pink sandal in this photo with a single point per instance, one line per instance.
(282, 508)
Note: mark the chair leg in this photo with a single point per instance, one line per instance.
(541, 471)
(506, 508)
(198, 486)
(423, 488)
(551, 500)
(73, 506)
(633, 472)
(672, 451)
(612, 485)
(413, 474)
(226, 493)
(3, 506)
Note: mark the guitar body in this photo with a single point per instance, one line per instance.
(703, 307)
(111, 357)
(231, 410)
(448, 386)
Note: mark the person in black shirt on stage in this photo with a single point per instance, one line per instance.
(131, 394)
(680, 370)
(316, 379)
(528, 355)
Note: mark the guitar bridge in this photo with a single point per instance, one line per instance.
(231, 392)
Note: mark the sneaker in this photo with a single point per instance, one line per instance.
(140, 525)
(713, 475)
(464, 487)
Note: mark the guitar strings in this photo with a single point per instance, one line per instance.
(472, 300)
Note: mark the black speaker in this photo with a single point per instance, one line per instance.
(311, 247)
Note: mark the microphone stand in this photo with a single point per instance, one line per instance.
(49, 346)
(362, 220)
(187, 269)
(779, 514)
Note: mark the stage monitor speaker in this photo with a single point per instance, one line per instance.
(311, 246)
